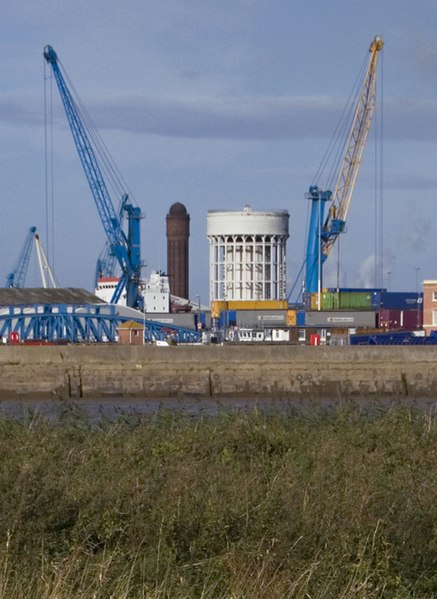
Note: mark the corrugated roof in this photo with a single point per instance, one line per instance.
(32, 296)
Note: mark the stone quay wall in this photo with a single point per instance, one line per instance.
(264, 371)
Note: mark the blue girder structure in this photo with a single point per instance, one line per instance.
(106, 262)
(17, 277)
(315, 258)
(126, 249)
(394, 338)
(81, 323)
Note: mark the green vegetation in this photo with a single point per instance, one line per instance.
(331, 504)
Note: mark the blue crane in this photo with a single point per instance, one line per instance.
(322, 234)
(125, 247)
(17, 277)
(106, 262)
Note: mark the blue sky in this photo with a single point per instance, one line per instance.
(217, 105)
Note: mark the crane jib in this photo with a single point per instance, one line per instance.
(126, 249)
(322, 233)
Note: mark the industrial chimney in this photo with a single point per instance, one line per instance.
(178, 232)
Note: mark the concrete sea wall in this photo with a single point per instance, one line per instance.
(217, 371)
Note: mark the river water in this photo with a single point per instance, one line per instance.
(113, 408)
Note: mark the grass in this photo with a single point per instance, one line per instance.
(320, 504)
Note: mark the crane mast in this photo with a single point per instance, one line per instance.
(106, 262)
(126, 249)
(323, 234)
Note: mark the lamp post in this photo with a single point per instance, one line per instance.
(198, 310)
(417, 299)
(388, 280)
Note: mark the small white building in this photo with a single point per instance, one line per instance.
(156, 293)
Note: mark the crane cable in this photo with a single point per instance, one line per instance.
(331, 159)
(379, 186)
(332, 156)
(107, 164)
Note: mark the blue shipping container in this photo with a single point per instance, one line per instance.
(357, 289)
(300, 318)
(397, 300)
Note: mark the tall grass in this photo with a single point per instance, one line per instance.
(265, 505)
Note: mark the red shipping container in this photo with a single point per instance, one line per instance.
(412, 319)
(400, 319)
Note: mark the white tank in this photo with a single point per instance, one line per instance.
(247, 254)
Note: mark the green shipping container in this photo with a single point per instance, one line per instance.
(346, 300)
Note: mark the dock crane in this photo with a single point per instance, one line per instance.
(106, 262)
(17, 277)
(321, 237)
(125, 247)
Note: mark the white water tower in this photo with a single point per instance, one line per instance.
(247, 254)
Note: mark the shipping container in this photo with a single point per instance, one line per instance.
(291, 318)
(412, 319)
(261, 319)
(400, 319)
(346, 318)
(300, 318)
(397, 300)
(216, 307)
(355, 289)
(219, 306)
(346, 300)
(315, 301)
(257, 305)
(187, 320)
(228, 318)
(389, 319)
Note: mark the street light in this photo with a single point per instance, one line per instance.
(199, 325)
(417, 300)
(388, 280)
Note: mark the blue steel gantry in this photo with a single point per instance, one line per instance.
(57, 323)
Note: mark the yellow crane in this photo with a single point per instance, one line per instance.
(323, 234)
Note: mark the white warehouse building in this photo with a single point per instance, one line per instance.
(247, 254)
